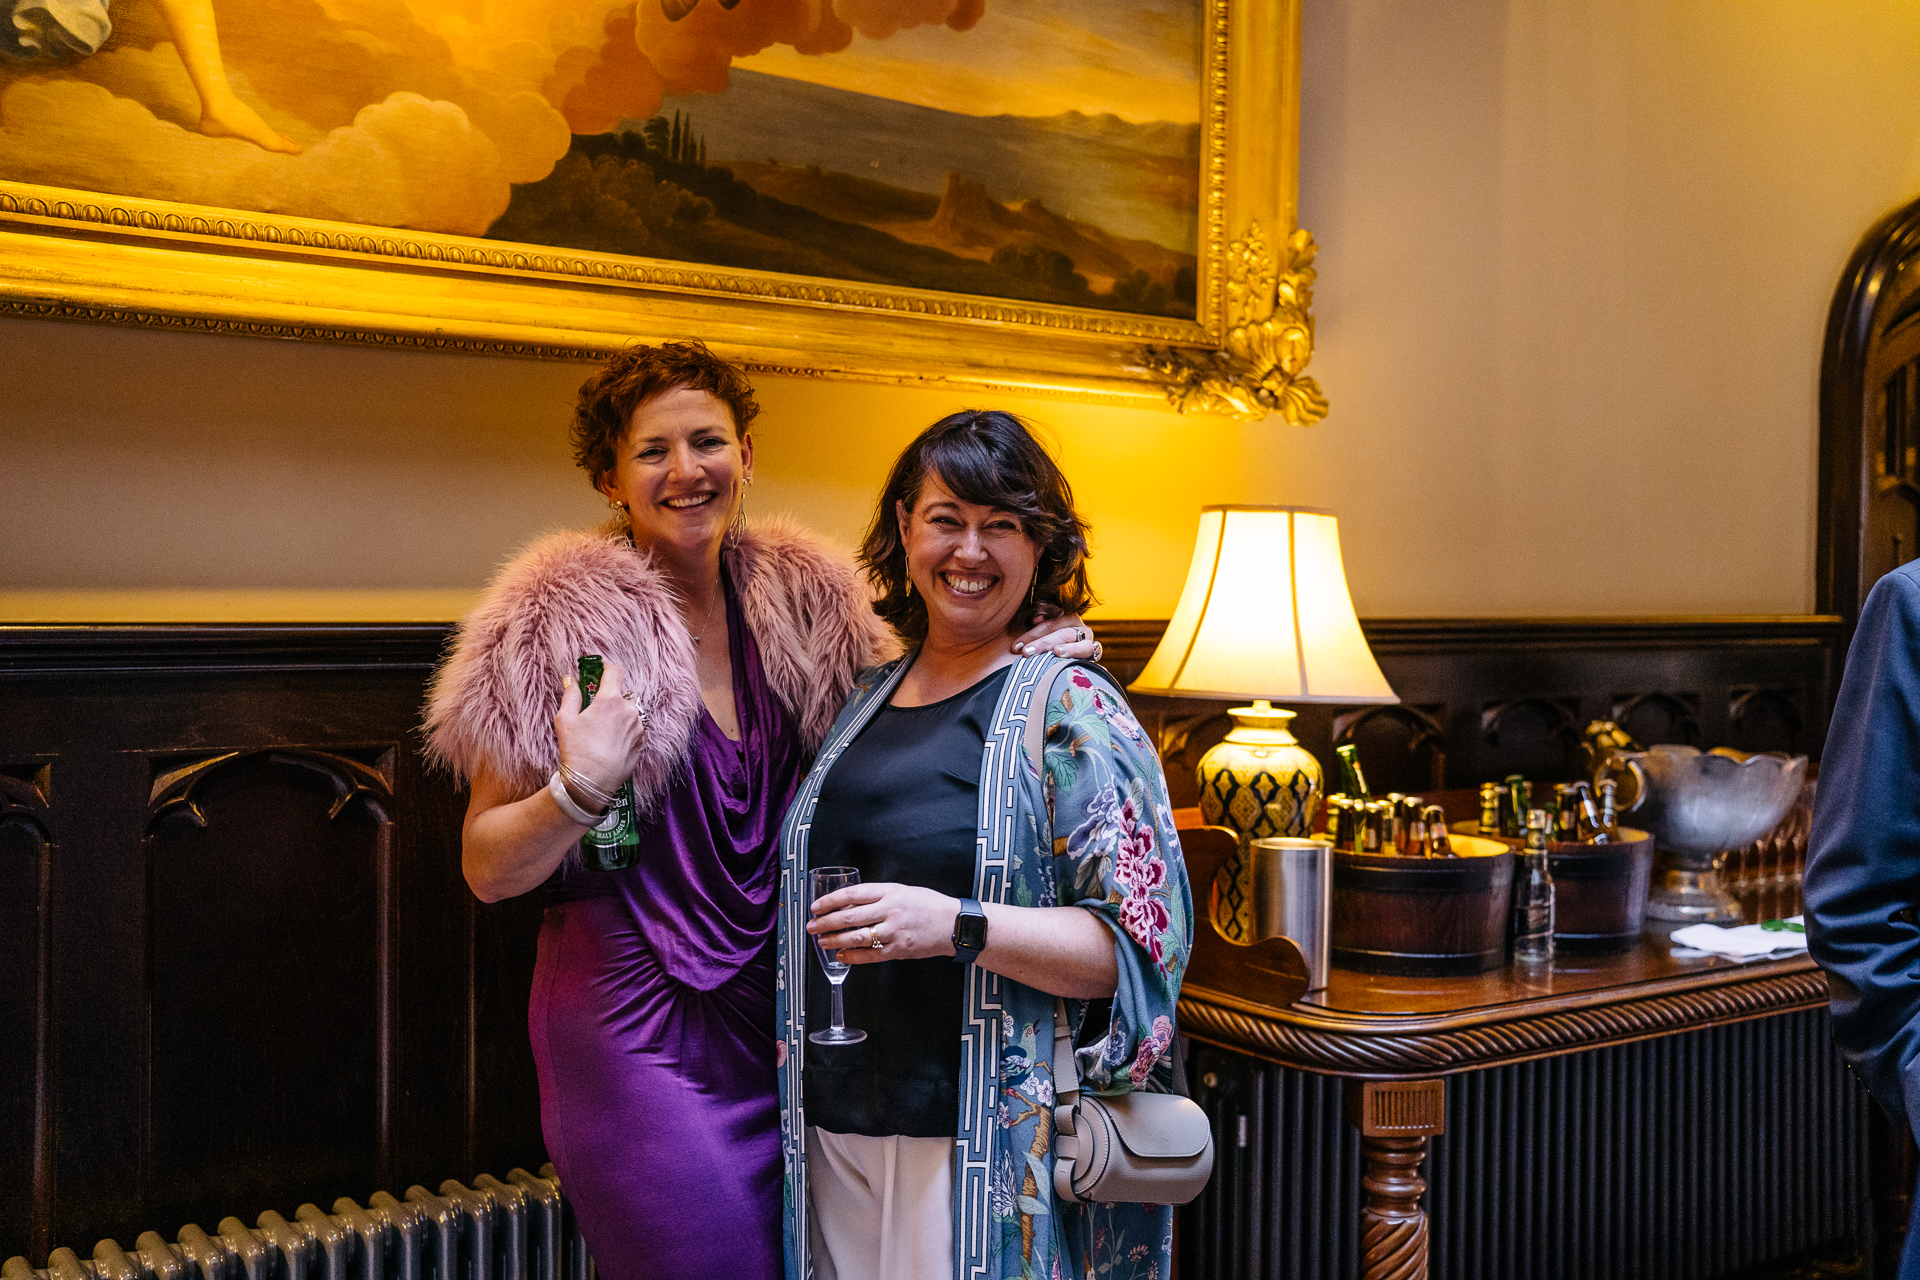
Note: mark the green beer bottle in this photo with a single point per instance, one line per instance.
(1354, 782)
(619, 847)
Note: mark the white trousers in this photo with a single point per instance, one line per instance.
(882, 1207)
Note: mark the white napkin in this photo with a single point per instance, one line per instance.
(1743, 942)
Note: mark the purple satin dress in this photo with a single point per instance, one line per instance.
(652, 1013)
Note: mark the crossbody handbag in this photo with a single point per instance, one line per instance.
(1137, 1148)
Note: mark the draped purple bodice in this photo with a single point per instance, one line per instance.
(702, 895)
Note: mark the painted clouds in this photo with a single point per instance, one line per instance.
(408, 113)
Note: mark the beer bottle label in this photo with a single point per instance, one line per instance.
(617, 848)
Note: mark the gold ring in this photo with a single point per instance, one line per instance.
(873, 938)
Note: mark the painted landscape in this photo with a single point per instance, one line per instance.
(780, 175)
(1045, 150)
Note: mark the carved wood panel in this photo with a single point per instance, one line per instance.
(1484, 699)
(1402, 748)
(279, 863)
(263, 977)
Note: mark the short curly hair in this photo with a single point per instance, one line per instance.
(637, 374)
(989, 458)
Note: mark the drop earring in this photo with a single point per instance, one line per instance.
(737, 527)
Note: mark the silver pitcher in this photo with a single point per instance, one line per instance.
(1699, 805)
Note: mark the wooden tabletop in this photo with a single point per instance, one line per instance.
(1254, 1000)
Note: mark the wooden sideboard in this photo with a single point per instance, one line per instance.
(1639, 1115)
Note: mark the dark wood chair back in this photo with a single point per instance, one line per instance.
(1271, 972)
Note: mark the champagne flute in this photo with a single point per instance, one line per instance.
(823, 881)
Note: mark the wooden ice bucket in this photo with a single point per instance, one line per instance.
(1599, 890)
(1600, 893)
(1423, 917)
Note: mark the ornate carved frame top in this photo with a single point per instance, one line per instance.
(91, 256)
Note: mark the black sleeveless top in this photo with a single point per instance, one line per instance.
(902, 803)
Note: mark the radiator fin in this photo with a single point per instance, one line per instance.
(520, 1229)
(1687, 1156)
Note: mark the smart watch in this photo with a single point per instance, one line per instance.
(969, 931)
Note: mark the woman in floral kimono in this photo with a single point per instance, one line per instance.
(1011, 826)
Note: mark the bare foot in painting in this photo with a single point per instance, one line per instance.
(235, 119)
(222, 114)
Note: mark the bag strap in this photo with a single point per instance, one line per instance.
(1066, 1071)
(1066, 1092)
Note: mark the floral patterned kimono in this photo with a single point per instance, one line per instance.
(1091, 828)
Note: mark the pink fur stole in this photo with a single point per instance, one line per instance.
(493, 700)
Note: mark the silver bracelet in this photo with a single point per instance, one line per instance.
(606, 799)
(603, 822)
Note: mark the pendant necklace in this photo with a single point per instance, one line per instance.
(718, 589)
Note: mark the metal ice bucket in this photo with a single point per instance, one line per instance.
(1292, 897)
(1699, 805)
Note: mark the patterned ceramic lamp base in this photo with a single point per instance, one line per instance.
(1257, 765)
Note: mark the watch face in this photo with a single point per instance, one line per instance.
(970, 932)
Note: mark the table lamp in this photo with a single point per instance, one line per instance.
(1265, 615)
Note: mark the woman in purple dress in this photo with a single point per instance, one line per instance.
(728, 651)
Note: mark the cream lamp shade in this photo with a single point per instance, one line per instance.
(1265, 614)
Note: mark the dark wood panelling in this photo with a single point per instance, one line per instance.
(26, 858)
(265, 1082)
(1481, 699)
(266, 981)
(300, 999)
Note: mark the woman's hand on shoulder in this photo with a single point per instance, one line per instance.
(1070, 637)
(602, 742)
(906, 922)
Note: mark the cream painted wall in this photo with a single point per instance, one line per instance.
(1575, 263)
(1578, 258)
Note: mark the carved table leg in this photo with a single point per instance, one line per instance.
(1395, 1118)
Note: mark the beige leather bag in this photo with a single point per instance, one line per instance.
(1137, 1148)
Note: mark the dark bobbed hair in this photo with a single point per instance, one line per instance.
(637, 374)
(991, 459)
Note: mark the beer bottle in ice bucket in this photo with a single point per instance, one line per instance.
(618, 847)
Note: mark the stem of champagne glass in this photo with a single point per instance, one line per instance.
(839, 1011)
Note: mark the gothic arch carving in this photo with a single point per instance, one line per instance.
(173, 793)
(1657, 716)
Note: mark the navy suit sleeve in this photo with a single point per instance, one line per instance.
(1863, 866)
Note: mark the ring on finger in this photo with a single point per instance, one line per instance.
(873, 938)
(1098, 649)
(1079, 634)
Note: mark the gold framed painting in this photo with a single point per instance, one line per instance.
(1043, 195)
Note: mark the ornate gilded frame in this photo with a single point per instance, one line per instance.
(84, 255)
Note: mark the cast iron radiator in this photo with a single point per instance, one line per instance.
(520, 1229)
(1690, 1156)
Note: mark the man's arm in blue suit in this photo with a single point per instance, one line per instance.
(1863, 868)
